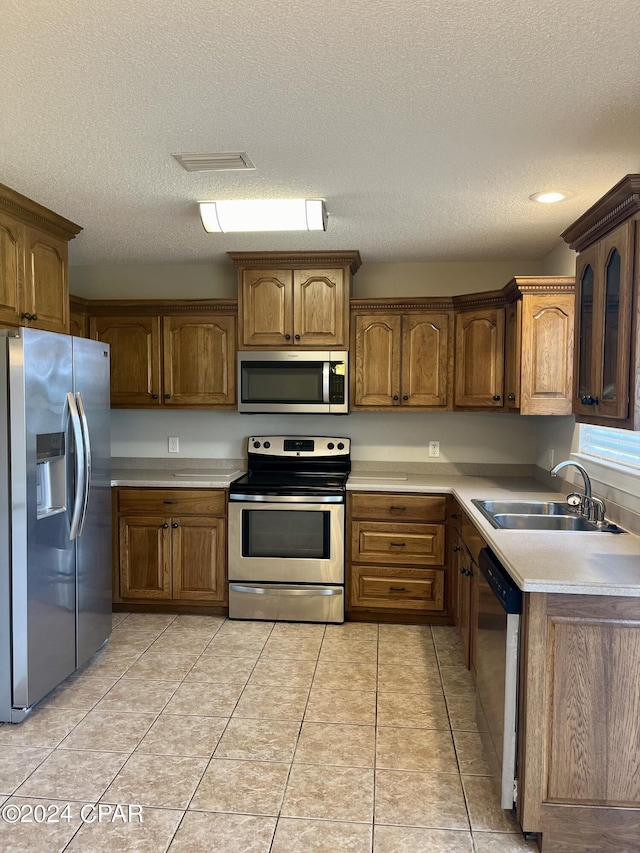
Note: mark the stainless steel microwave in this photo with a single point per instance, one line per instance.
(293, 382)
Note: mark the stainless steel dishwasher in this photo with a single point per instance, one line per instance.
(497, 646)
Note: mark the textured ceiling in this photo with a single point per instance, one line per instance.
(425, 124)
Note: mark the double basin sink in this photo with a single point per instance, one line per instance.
(539, 515)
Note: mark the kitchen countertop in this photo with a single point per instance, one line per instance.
(538, 561)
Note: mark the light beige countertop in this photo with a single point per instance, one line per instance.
(168, 478)
(538, 561)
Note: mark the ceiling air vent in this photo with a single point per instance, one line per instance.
(226, 162)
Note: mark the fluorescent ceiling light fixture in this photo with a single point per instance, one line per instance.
(221, 162)
(549, 197)
(289, 214)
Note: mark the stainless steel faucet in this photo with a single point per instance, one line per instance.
(591, 508)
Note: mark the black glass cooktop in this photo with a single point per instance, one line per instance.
(289, 482)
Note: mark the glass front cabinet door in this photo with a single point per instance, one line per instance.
(604, 279)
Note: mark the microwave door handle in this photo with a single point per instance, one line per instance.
(76, 428)
(326, 367)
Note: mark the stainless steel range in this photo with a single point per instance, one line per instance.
(286, 530)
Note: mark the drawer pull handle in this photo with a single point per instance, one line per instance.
(169, 502)
(397, 508)
(397, 589)
(397, 544)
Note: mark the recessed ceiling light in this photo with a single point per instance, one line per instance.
(548, 196)
(223, 162)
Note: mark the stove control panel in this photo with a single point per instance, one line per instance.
(298, 445)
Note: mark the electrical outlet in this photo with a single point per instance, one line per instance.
(174, 444)
(434, 448)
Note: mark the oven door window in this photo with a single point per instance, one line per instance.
(287, 534)
(275, 382)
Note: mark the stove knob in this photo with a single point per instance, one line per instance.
(340, 445)
(257, 444)
(267, 444)
(330, 446)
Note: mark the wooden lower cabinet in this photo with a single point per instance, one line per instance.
(171, 546)
(396, 557)
(579, 764)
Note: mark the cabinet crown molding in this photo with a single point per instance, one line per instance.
(619, 204)
(338, 258)
(35, 214)
(155, 306)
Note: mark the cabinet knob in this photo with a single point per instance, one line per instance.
(457, 548)
(26, 316)
(454, 515)
(165, 526)
(496, 397)
(405, 397)
(287, 337)
(297, 337)
(174, 525)
(588, 400)
(511, 397)
(34, 316)
(154, 396)
(395, 397)
(167, 396)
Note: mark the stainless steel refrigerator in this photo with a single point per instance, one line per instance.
(55, 512)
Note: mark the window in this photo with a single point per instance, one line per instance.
(617, 446)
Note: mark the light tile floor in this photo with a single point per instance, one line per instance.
(253, 737)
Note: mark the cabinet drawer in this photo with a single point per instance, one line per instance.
(403, 544)
(402, 589)
(172, 501)
(397, 507)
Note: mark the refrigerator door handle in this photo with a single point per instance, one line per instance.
(87, 460)
(80, 465)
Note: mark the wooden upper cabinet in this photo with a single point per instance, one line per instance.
(607, 358)
(401, 359)
(538, 362)
(199, 360)
(135, 358)
(266, 308)
(34, 289)
(479, 356)
(46, 288)
(179, 354)
(12, 242)
(78, 317)
(294, 299)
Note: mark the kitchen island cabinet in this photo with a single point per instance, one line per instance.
(294, 300)
(171, 546)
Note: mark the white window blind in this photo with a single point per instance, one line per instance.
(620, 446)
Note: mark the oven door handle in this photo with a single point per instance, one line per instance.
(280, 590)
(289, 499)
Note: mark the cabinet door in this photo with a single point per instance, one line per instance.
(615, 308)
(320, 309)
(376, 360)
(12, 237)
(198, 559)
(145, 554)
(199, 360)
(46, 289)
(425, 360)
(480, 358)
(463, 567)
(135, 358)
(265, 306)
(512, 349)
(547, 354)
(586, 378)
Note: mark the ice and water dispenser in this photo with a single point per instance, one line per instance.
(51, 474)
